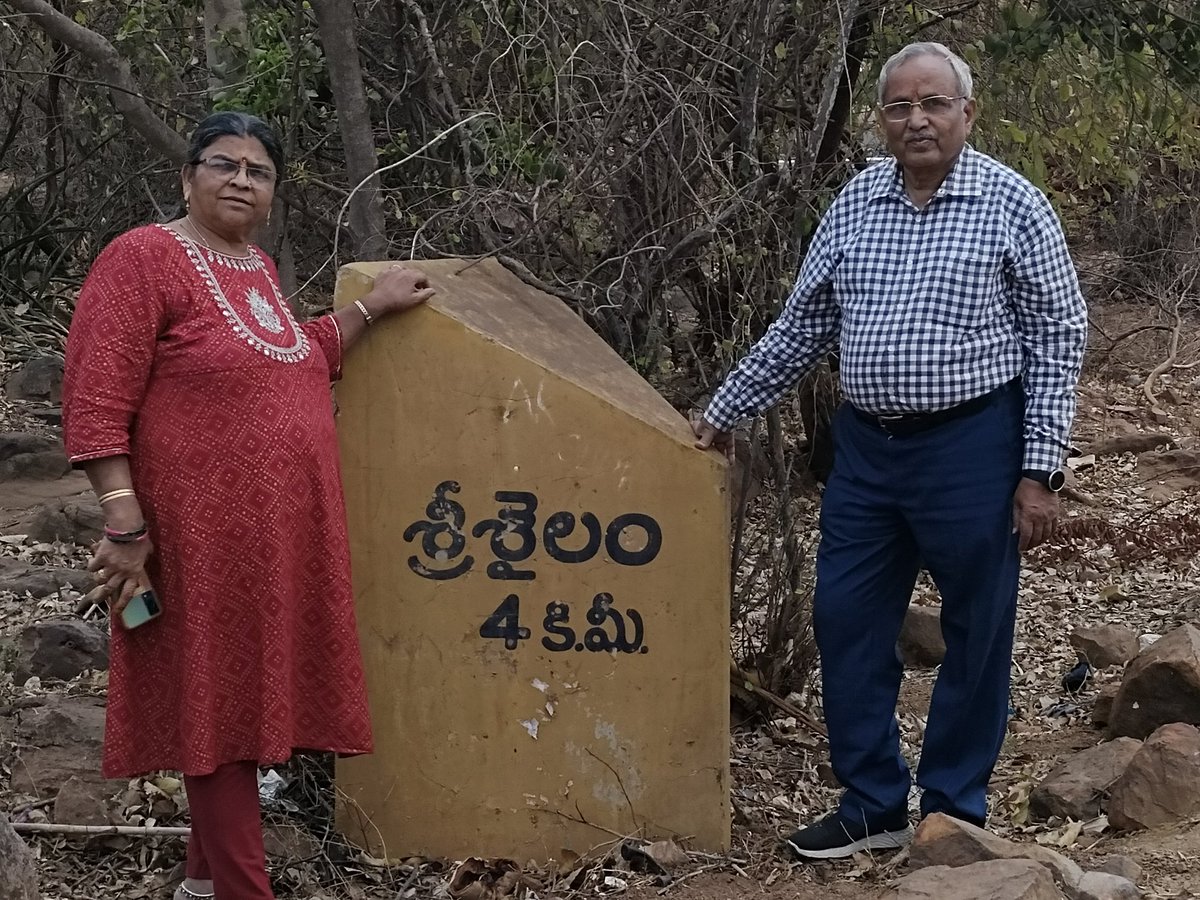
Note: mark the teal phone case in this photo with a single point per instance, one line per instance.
(139, 611)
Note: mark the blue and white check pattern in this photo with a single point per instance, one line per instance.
(932, 307)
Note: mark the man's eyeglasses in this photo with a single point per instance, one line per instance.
(227, 168)
(938, 105)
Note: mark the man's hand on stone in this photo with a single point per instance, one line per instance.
(710, 436)
(1035, 510)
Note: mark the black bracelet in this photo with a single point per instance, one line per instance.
(125, 537)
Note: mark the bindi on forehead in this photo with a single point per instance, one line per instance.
(249, 150)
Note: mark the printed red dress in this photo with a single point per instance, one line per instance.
(191, 362)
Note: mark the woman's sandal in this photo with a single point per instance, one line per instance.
(182, 893)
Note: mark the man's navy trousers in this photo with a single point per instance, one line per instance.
(941, 498)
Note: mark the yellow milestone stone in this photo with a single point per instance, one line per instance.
(541, 574)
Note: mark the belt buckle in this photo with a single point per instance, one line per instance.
(884, 421)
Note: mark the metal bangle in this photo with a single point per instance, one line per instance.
(363, 309)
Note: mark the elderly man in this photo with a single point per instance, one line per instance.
(946, 279)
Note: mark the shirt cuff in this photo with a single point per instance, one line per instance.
(1042, 455)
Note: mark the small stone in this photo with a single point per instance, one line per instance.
(18, 870)
(25, 455)
(921, 643)
(1106, 645)
(1160, 686)
(40, 379)
(1074, 789)
(1123, 866)
(826, 775)
(1161, 784)
(668, 855)
(60, 649)
(1103, 704)
(1178, 468)
(1104, 886)
(999, 879)
(290, 843)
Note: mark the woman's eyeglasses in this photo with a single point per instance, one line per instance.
(227, 168)
(938, 105)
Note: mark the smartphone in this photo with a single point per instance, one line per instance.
(141, 608)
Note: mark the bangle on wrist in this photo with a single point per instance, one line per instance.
(113, 495)
(362, 308)
(126, 537)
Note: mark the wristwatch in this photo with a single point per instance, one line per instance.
(1051, 479)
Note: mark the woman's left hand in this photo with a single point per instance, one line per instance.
(396, 289)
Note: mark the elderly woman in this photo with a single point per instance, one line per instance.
(200, 410)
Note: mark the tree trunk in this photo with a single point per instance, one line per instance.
(225, 43)
(335, 25)
(112, 68)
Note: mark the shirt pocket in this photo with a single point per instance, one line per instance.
(964, 293)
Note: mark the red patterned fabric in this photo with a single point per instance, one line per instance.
(191, 363)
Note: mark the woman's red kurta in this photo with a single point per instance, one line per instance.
(190, 362)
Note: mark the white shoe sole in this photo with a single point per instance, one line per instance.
(885, 840)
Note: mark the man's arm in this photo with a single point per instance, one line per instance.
(1052, 323)
(805, 331)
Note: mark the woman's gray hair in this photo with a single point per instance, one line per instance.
(962, 72)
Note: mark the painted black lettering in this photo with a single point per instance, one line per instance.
(505, 623)
(561, 525)
(612, 539)
(516, 517)
(442, 538)
(555, 626)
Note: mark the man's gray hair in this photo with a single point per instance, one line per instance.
(962, 72)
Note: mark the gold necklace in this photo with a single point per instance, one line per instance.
(187, 217)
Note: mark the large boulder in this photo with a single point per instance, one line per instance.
(1074, 789)
(945, 841)
(60, 649)
(1162, 685)
(998, 879)
(1175, 468)
(1161, 784)
(75, 521)
(18, 871)
(921, 642)
(1102, 706)
(40, 380)
(1106, 645)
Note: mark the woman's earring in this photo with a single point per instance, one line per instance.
(268, 217)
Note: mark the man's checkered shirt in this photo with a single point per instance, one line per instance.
(932, 307)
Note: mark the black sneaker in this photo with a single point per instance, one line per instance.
(833, 837)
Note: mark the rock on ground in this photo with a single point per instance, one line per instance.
(1131, 443)
(1103, 705)
(1161, 784)
(58, 741)
(1105, 886)
(1177, 468)
(73, 521)
(1123, 866)
(40, 379)
(24, 455)
(82, 803)
(1162, 685)
(999, 879)
(22, 578)
(1074, 789)
(1106, 645)
(921, 642)
(18, 871)
(60, 649)
(945, 841)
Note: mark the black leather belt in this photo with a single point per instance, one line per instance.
(912, 423)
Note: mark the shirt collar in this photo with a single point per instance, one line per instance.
(965, 178)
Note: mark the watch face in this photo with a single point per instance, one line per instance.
(1057, 479)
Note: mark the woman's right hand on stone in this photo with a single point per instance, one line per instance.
(121, 567)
